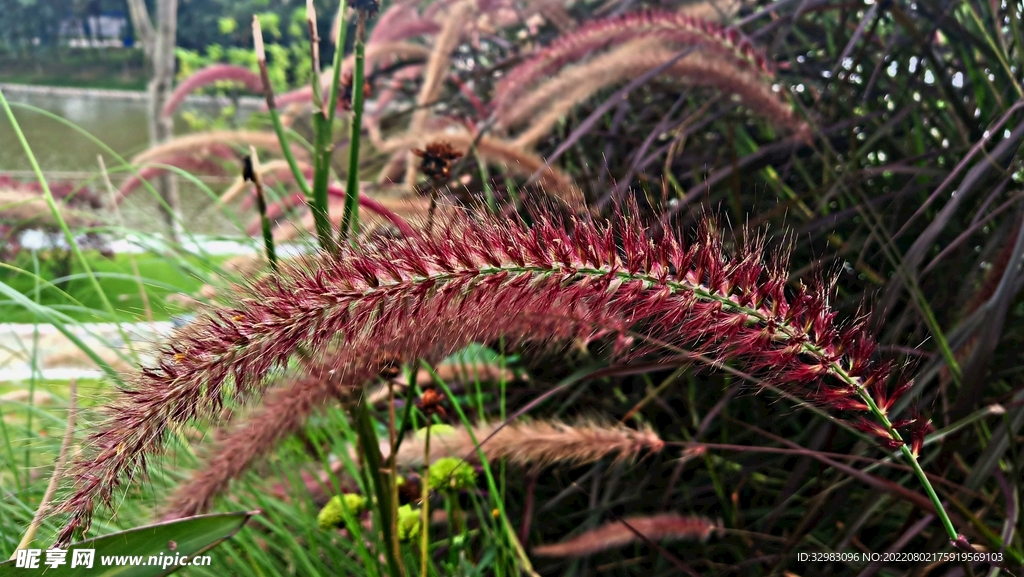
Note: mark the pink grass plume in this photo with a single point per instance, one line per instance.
(209, 75)
(277, 209)
(615, 534)
(670, 26)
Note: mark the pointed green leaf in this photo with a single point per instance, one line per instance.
(142, 552)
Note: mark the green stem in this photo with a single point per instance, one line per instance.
(286, 151)
(947, 524)
(350, 218)
(371, 452)
(410, 402)
(322, 147)
(323, 144)
(425, 506)
(268, 236)
(485, 178)
(339, 53)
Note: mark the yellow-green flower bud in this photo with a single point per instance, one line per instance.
(451, 474)
(408, 523)
(332, 515)
(439, 429)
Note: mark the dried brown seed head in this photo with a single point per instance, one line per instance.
(410, 492)
(345, 93)
(437, 159)
(368, 6)
(389, 365)
(430, 403)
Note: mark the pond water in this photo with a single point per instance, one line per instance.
(64, 153)
(118, 122)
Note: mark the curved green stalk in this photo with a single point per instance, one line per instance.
(319, 209)
(339, 57)
(322, 141)
(350, 218)
(268, 235)
(425, 506)
(370, 449)
(286, 151)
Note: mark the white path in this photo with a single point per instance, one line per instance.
(249, 102)
(56, 357)
(198, 244)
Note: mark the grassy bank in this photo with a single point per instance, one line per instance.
(115, 276)
(112, 69)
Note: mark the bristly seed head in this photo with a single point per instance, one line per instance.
(430, 401)
(478, 279)
(599, 34)
(437, 160)
(345, 94)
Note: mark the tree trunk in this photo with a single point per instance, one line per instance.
(142, 25)
(160, 86)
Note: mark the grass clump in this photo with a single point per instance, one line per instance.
(662, 388)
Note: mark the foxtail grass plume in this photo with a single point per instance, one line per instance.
(670, 26)
(193, 164)
(476, 280)
(210, 75)
(286, 407)
(498, 152)
(533, 444)
(615, 534)
(550, 101)
(194, 144)
(283, 412)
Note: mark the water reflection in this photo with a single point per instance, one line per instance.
(119, 123)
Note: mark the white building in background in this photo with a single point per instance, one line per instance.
(95, 31)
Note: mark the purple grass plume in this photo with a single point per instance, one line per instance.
(476, 279)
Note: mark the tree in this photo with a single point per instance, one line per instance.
(23, 21)
(143, 27)
(158, 43)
